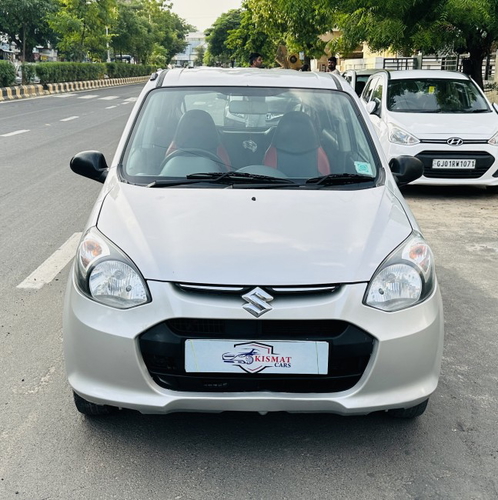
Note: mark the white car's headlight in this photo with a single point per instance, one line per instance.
(399, 136)
(105, 274)
(404, 279)
(494, 140)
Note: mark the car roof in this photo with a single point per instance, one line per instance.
(248, 77)
(369, 71)
(426, 74)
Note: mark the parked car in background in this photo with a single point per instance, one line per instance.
(442, 118)
(358, 78)
(263, 263)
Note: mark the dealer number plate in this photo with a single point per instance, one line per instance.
(272, 357)
(456, 163)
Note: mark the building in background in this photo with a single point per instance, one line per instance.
(188, 58)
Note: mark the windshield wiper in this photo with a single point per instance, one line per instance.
(243, 177)
(338, 179)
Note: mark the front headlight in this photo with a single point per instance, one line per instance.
(399, 136)
(105, 274)
(494, 140)
(404, 279)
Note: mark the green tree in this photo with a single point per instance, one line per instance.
(25, 23)
(409, 26)
(82, 27)
(149, 31)
(200, 51)
(249, 37)
(297, 24)
(217, 36)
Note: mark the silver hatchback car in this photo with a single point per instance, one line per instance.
(250, 251)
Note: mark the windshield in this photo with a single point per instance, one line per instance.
(435, 96)
(257, 135)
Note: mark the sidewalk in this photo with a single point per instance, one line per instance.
(22, 91)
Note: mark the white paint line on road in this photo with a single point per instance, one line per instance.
(109, 98)
(69, 118)
(53, 265)
(64, 96)
(110, 107)
(17, 132)
(131, 99)
(91, 96)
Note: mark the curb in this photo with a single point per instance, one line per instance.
(23, 91)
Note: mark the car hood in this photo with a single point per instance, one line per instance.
(254, 237)
(445, 125)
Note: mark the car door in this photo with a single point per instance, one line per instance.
(376, 94)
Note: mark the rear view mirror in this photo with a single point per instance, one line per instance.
(90, 164)
(248, 107)
(406, 169)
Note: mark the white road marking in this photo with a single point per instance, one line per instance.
(109, 98)
(69, 118)
(110, 107)
(131, 99)
(53, 265)
(91, 96)
(63, 96)
(14, 133)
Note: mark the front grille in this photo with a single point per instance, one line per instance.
(163, 351)
(241, 290)
(483, 162)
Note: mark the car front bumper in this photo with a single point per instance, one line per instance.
(105, 365)
(485, 172)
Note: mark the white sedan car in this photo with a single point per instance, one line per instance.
(269, 264)
(442, 118)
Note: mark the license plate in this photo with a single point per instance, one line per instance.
(456, 163)
(272, 357)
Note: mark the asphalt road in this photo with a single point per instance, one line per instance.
(48, 451)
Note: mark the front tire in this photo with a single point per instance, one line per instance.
(92, 409)
(414, 411)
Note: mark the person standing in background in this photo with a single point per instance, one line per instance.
(332, 65)
(255, 60)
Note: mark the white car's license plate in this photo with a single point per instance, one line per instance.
(236, 356)
(456, 163)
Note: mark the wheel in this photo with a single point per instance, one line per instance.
(414, 411)
(492, 189)
(92, 409)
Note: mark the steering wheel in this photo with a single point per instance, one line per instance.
(192, 152)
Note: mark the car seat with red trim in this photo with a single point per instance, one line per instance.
(197, 130)
(295, 149)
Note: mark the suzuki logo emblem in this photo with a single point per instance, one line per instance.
(258, 302)
(454, 141)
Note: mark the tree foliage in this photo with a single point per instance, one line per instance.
(219, 52)
(298, 24)
(82, 26)
(409, 26)
(25, 23)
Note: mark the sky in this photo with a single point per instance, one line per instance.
(203, 13)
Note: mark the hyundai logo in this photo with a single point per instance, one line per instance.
(454, 141)
(258, 302)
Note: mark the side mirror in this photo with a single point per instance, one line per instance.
(406, 169)
(373, 107)
(90, 164)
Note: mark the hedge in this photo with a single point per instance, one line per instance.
(59, 72)
(7, 74)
